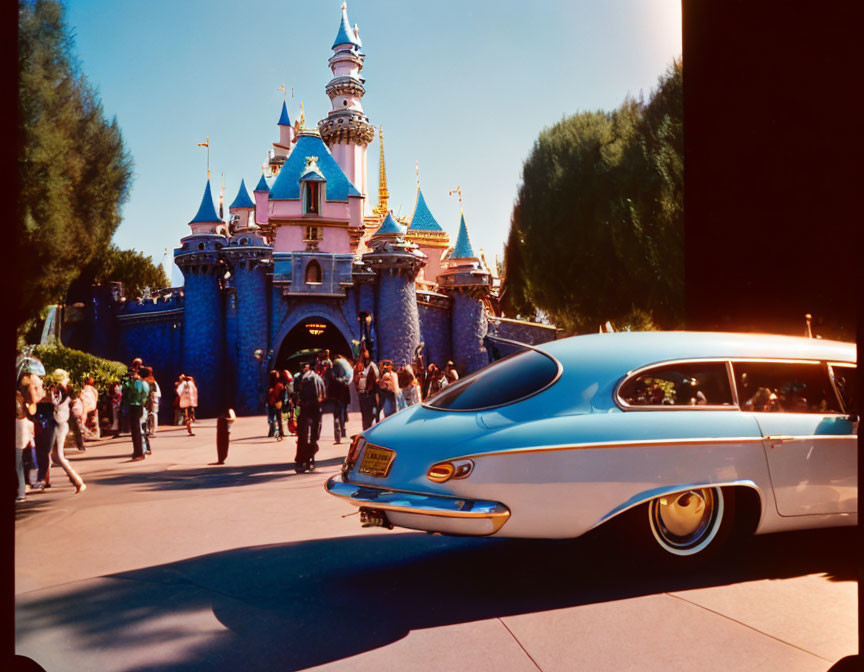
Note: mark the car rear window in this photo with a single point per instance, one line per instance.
(684, 384)
(506, 381)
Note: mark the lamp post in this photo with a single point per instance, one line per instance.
(366, 343)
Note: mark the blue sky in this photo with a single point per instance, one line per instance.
(463, 87)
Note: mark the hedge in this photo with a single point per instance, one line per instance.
(79, 365)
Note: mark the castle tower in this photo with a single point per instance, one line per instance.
(347, 130)
(262, 194)
(287, 138)
(396, 262)
(432, 240)
(242, 206)
(203, 320)
(466, 280)
(247, 255)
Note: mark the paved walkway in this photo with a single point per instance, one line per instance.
(176, 564)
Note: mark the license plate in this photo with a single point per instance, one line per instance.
(376, 461)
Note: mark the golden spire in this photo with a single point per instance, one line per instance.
(302, 117)
(381, 210)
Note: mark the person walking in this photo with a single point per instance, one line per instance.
(366, 382)
(311, 395)
(90, 404)
(116, 395)
(61, 400)
(153, 405)
(76, 420)
(388, 388)
(188, 395)
(410, 386)
(145, 374)
(193, 409)
(275, 400)
(24, 440)
(339, 377)
(135, 394)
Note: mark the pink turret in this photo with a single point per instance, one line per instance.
(347, 130)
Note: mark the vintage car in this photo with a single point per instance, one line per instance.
(683, 436)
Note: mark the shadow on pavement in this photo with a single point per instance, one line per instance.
(210, 475)
(297, 605)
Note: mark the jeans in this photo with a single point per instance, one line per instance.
(389, 407)
(274, 417)
(75, 426)
(367, 409)
(135, 413)
(58, 455)
(153, 420)
(307, 433)
(338, 419)
(19, 465)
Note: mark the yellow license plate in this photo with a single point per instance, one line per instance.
(376, 461)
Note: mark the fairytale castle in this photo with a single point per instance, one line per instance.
(306, 263)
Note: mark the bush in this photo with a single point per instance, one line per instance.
(80, 366)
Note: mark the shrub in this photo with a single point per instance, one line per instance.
(80, 366)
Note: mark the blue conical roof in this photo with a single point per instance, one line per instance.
(206, 212)
(242, 200)
(284, 120)
(423, 220)
(390, 226)
(345, 34)
(262, 185)
(463, 249)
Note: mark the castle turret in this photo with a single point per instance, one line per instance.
(262, 194)
(242, 206)
(203, 321)
(248, 258)
(347, 130)
(466, 280)
(396, 263)
(432, 240)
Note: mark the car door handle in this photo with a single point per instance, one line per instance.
(779, 438)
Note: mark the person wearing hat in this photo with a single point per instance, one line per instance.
(61, 400)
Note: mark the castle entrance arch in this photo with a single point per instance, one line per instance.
(307, 336)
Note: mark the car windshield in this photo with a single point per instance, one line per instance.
(506, 381)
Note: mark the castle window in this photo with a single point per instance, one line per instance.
(312, 193)
(313, 234)
(313, 273)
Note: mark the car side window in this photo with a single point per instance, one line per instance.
(686, 384)
(846, 381)
(783, 387)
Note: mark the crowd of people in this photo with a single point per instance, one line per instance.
(297, 403)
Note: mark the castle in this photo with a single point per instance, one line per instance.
(303, 264)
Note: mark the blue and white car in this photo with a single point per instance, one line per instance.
(682, 435)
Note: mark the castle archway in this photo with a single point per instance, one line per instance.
(308, 335)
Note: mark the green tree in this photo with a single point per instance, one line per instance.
(134, 269)
(598, 217)
(74, 170)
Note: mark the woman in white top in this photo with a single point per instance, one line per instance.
(153, 405)
(188, 393)
(60, 397)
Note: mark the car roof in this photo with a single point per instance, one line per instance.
(630, 350)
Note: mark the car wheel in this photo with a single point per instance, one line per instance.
(685, 528)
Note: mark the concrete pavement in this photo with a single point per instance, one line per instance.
(174, 563)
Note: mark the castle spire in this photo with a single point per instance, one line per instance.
(381, 209)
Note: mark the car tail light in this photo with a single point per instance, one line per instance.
(357, 443)
(444, 471)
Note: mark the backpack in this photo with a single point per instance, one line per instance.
(308, 390)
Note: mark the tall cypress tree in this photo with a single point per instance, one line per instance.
(74, 170)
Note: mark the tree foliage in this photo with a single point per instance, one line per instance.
(74, 170)
(134, 269)
(597, 228)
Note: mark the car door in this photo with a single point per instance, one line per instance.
(810, 443)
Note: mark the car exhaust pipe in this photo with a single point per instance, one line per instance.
(374, 518)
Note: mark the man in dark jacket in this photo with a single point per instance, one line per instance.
(311, 396)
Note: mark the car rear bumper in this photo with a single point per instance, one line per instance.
(417, 511)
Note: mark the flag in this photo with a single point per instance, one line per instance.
(206, 143)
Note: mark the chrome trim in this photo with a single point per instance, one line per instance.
(598, 445)
(730, 373)
(424, 504)
(839, 396)
(525, 346)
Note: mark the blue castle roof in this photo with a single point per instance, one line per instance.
(463, 248)
(206, 212)
(390, 226)
(284, 120)
(287, 185)
(423, 220)
(345, 34)
(262, 184)
(242, 200)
